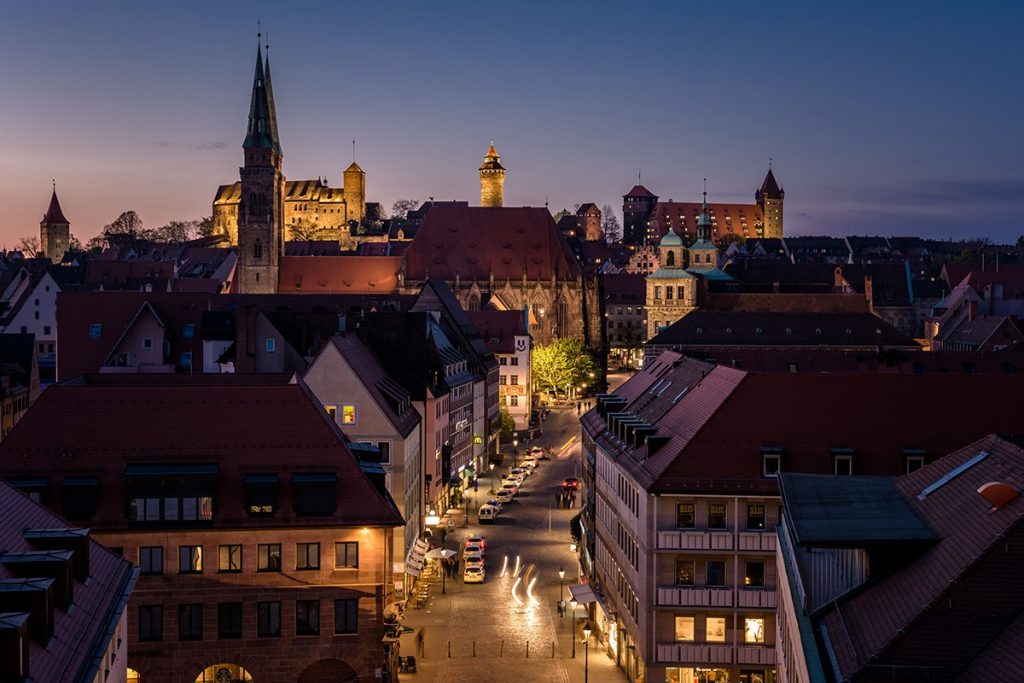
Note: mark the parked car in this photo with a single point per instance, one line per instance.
(474, 560)
(504, 496)
(495, 503)
(472, 549)
(522, 471)
(537, 451)
(487, 514)
(511, 488)
(473, 575)
(512, 479)
(477, 539)
(571, 483)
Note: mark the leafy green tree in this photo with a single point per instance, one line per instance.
(562, 363)
(508, 424)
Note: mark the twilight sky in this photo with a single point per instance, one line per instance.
(882, 117)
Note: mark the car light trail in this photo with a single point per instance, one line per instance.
(504, 566)
(514, 596)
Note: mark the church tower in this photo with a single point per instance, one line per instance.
(54, 231)
(769, 198)
(261, 211)
(355, 193)
(492, 179)
(703, 253)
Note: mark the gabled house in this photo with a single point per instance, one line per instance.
(28, 305)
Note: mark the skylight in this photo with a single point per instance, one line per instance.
(951, 475)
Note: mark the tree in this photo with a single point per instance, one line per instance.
(304, 232)
(610, 224)
(401, 208)
(734, 237)
(508, 424)
(75, 245)
(562, 364)
(176, 231)
(204, 226)
(127, 225)
(97, 243)
(29, 246)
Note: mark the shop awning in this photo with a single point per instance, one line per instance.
(583, 593)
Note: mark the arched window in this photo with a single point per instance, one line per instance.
(474, 302)
(563, 319)
(670, 260)
(257, 250)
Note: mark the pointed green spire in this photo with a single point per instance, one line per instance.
(262, 129)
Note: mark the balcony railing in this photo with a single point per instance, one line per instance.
(689, 596)
(755, 654)
(694, 653)
(695, 540)
(757, 597)
(762, 541)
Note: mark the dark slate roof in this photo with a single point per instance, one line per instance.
(830, 510)
(80, 635)
(641, 191)
(499, 328)
(262, 129)
(770, 188)
(53, 213)
(756, 329)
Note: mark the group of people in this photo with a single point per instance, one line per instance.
(451, 567)
(584, 405)
(566, 499)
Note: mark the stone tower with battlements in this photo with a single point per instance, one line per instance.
(354, 190)
(769, 197)
(261, 209)
(492, 179)
(54, 231)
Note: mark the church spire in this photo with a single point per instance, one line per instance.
(704, 221)
(262, 129)
(53, 213)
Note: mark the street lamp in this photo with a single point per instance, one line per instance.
(573, 603)
(515, 452)
(491, 466)
(572, 547)
(561, 591)
(586, 653)
(433, 519)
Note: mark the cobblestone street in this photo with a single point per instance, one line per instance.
(477, 632)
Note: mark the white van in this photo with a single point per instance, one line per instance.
(487, 514)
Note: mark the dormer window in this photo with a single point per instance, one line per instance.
(771, 461)
(842, 461)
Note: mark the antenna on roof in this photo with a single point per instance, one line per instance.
(769, 163)
(638, 171)
(266, 45)
(353, 150)
(54, 180)
(259, 32)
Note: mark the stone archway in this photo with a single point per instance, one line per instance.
(224, 673)
(328, 671)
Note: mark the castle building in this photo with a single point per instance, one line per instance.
(769, 199)
(646, 217)
(54, 231)
(311, 208)
(492, 179)
(588, 222)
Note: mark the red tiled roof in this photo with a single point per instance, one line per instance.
(682, 216)
(339, 274)
(113, 311)
(903, 615)
(118, 273)
(70, 654)
(640, 191)
(733, 414)
(476, 242)
(243, 428)
(499, 328)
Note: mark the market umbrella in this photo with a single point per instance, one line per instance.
(441, 554)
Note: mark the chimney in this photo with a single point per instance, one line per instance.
(972, 310)
(869, 292)
(14, 646)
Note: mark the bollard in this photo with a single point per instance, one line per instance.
(474, 648)
(552, 649)
(449, 649)
(527, 649)
(501, 652)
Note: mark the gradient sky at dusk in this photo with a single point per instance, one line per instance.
(882, 117)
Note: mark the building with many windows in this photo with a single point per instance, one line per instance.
(681, 500)
(505, 334)
(264, 550)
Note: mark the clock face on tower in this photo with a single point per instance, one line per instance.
(520, 345)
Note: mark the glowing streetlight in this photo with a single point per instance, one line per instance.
(432, 519)
(586, 653)
(561, 585)
(572, 547)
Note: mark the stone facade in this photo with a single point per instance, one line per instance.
(588, 222)
(54, 232)
(492, 179)
(671, 290)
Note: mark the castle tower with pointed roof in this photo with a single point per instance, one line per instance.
(492, 179)
(261, 205)
(769, 197)
(354, 191)
(54, 231)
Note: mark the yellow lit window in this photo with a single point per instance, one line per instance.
(716, 630)
(753, 630)
(684, 629)
(332, 411)
(348, 415)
